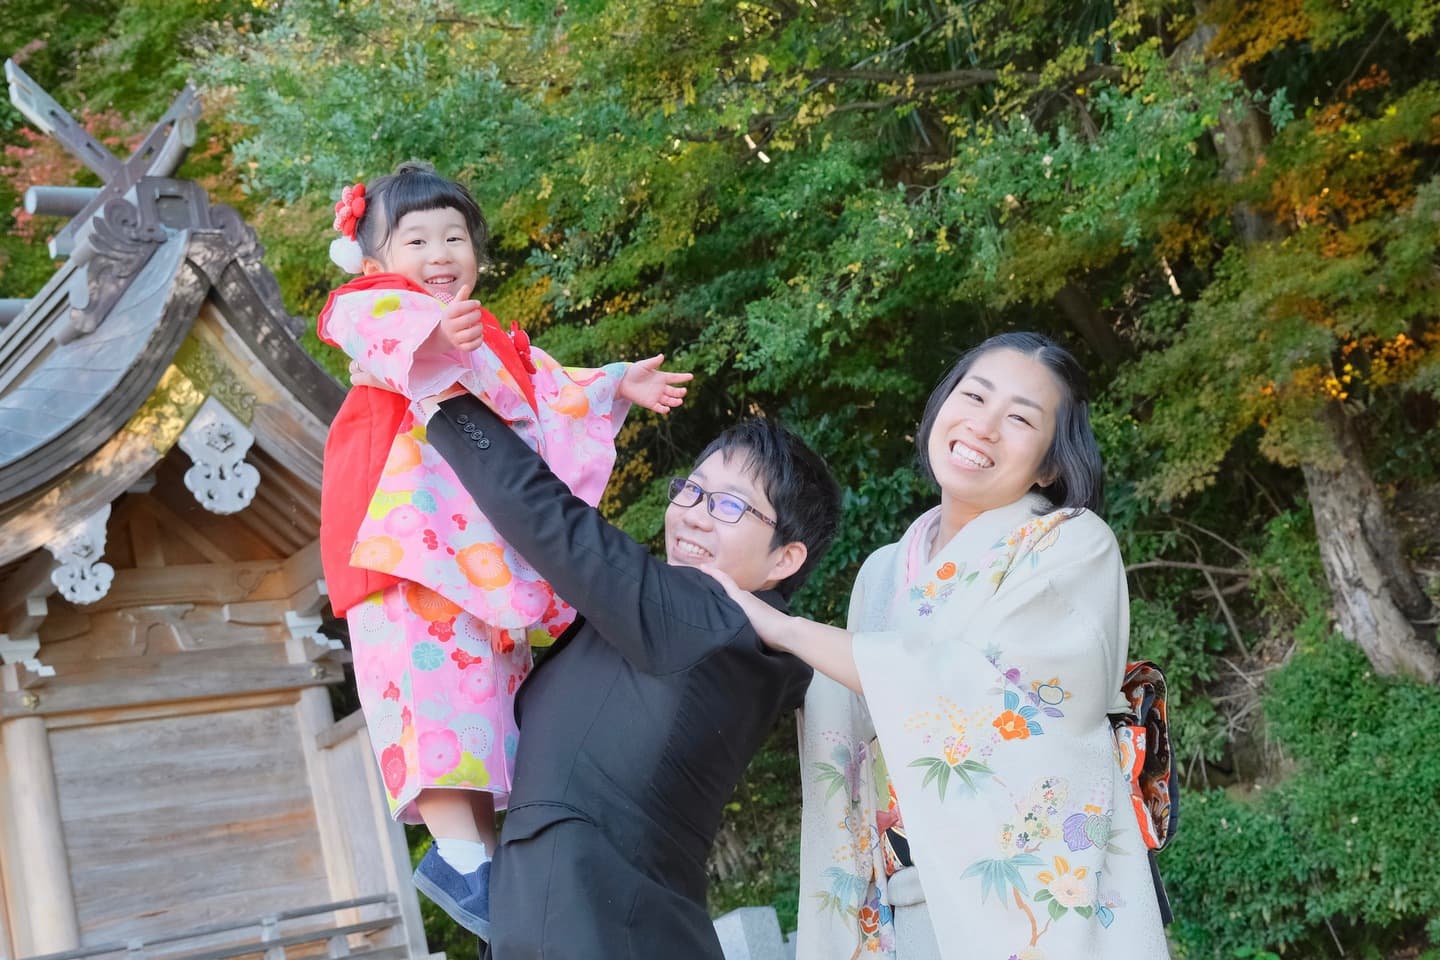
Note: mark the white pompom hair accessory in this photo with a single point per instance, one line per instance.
(344, 249)
(345, 254)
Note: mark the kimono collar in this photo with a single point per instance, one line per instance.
(978, 535)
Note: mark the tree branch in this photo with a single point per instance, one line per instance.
(1214, 536)
(1183, 565)
(956, 79)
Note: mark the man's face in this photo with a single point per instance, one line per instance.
(694, 538)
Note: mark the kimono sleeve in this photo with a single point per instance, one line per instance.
(589, 394)
(840, 869)
(384, 331)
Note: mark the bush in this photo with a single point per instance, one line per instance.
(1340, 853)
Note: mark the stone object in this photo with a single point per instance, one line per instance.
(751, 933)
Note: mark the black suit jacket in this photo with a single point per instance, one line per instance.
(633, 732)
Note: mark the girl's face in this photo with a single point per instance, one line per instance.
(992, 435)
(433, 249)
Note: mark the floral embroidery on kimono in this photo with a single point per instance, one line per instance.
(421, 525)
(988, 672)
(439, 655)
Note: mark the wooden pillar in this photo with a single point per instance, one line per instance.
(42, 903)
(7, 933)
(398, 868)
(313, 714)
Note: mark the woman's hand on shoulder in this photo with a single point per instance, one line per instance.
(769, 624)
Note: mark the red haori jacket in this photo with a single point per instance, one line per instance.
(359, 443)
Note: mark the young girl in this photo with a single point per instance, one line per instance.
(442, 613)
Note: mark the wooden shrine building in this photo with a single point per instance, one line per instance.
(173, 780)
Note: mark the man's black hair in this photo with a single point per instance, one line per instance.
(798, 483)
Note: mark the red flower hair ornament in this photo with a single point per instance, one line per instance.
(345, 249)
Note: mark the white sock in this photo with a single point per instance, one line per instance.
(464, 856)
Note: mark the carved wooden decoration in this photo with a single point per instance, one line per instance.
(81, 575)
(220, 479)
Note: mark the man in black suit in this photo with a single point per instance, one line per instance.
(637, 727)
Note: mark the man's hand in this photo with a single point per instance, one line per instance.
(359, 377)
(646, 385)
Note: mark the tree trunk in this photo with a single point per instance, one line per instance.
(1377, 599)
(1242, 136)
(1099, 336)
(728, 858)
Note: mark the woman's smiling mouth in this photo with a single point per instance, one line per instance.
(968, 455)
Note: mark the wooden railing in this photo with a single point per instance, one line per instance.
(268, 940)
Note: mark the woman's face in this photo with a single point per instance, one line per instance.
(993, 433)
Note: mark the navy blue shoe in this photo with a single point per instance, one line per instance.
(466, 899)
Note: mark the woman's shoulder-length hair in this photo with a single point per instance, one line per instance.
(1073, 461)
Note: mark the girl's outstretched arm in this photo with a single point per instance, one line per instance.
(646, 385)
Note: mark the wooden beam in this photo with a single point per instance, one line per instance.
(341, 730)
(45, 909)
(7, 941)
(145, 540)
(23, 606)
(175, 524)
(295, 574)
(314, 715)
(305, 498)
(309, 601)
(180, 708)
(269, 520)
(284, 425)
(217, 583)
(149, 680)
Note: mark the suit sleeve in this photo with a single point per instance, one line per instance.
(660, 618)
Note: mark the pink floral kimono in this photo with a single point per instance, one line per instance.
(438, 657)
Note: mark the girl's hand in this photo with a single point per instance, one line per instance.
(646, 385)
(461, 327)
(770, 624)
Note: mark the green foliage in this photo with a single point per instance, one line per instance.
(1334, 847)
(1340, 309)
(761, 816)
(1187, 651)
(816, 207)
(1292, 586)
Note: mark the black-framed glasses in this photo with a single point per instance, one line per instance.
(725, 507)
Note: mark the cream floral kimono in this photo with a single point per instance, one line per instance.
(988, 671)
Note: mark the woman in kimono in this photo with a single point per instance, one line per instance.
(964, 795)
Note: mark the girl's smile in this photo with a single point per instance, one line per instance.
(432, 248)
